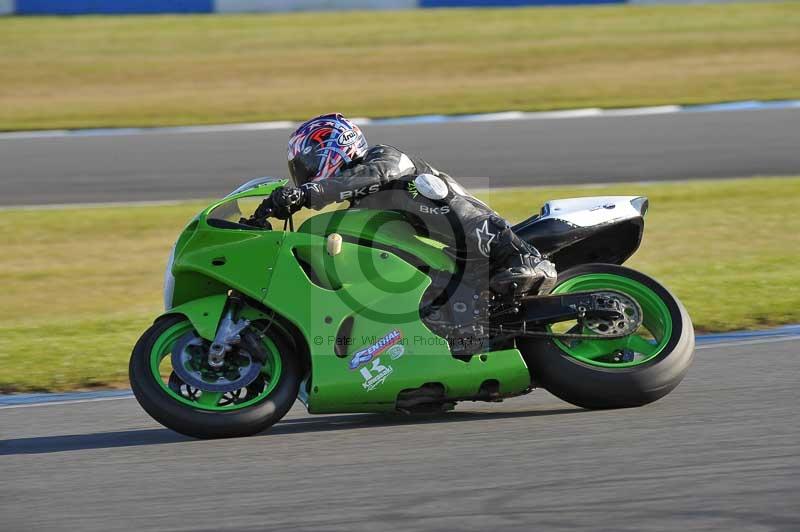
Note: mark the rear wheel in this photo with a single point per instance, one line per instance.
(626, 372)
(187, 409)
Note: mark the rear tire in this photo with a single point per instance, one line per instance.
(204, 423)
(594, 386)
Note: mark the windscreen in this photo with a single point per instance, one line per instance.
(253, 183)
(236, 209)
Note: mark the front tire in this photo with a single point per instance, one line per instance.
(210, 415)
(623, 373)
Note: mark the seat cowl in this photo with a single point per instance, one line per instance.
(595, 210)
(609, 228)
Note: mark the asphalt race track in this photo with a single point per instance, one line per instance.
(162, 166)
(722, 452)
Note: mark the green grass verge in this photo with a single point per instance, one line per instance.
(157, 70)
(80, 285)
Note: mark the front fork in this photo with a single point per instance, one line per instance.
(215, 319)
(228, 333)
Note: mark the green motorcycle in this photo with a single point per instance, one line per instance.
(356, 312)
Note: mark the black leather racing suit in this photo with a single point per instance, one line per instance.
(387, 179)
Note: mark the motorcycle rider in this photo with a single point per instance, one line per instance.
(330, 161)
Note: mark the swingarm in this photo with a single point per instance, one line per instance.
(606, 314)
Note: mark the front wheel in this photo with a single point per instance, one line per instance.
(210, 414)
(626, 372)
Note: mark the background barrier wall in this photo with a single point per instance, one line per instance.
(81, 7)
(111, 7)
(507, 3)
(245, 6)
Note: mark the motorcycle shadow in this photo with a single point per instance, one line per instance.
(336, 422)
(83, 442)
(302, 425)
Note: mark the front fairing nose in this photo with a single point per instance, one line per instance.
(169, 281)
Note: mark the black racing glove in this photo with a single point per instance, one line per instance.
(283, 202)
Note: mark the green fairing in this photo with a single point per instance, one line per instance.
(380, 291)
(196, 267)
(387, 228)
(205, 313)
(378, 305)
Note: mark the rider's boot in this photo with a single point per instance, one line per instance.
(525, 273)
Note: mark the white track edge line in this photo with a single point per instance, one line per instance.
(403, 120)
(754, 341)
(67, 402)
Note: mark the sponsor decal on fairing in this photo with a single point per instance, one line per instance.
(375, 375)
(363, 356)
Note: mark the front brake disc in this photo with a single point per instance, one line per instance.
(190, 363)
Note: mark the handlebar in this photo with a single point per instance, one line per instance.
(265, 211)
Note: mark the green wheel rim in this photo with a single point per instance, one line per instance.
(644, 344)
(209, 400)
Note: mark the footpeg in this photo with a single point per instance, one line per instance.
(546, 270)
